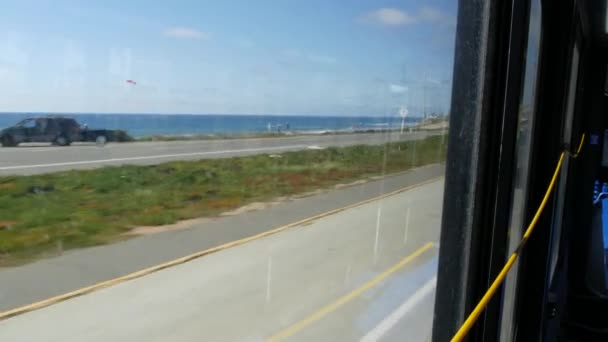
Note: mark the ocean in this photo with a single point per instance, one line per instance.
(141, 125)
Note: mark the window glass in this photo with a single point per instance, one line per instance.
(222, 170)
(561, 186)
(28, 123)
(525, 126)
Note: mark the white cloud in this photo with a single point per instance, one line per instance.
(397, 89)
(390, 17)
(396, 17)
(184, 33)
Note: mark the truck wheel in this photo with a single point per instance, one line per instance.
(8, 141)
(62, 141)
(101, 140)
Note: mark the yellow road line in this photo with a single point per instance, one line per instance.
(348, 297)
(98, 286)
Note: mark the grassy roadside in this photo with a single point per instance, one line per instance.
(84, 208)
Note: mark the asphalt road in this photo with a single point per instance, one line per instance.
(36, 158)
(366, 273)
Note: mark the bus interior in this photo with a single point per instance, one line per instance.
(530, 79)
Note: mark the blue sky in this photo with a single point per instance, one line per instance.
(262, 57)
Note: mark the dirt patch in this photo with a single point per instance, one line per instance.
(346, 185)
(7, 225)
(246, 208)
(435, 126)
(185, 224)
(254, 206)
(308, 194)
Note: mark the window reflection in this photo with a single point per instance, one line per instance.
(525, 126)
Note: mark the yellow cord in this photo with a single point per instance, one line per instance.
(468, 324)
(580, 146)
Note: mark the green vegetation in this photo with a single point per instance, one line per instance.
(122, 136)
(85, 208)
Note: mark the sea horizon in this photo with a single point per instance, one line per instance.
(151, 124)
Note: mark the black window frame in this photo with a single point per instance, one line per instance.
(490, 40)
(488, 64)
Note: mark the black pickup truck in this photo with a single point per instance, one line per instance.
(61, 131)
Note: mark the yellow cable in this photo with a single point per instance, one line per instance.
(580, 146)
(474, 315)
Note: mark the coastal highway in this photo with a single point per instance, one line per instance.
(363, 273)
(37, 158)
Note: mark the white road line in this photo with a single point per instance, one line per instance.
(160, 156)
(268, 279)
(407, 224)
(40, 149)
(376, 240)
(347, 275)
(48, 148)
(53, 149)
(390, 321)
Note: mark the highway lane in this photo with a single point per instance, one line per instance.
(35, 159)
(363, 273)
